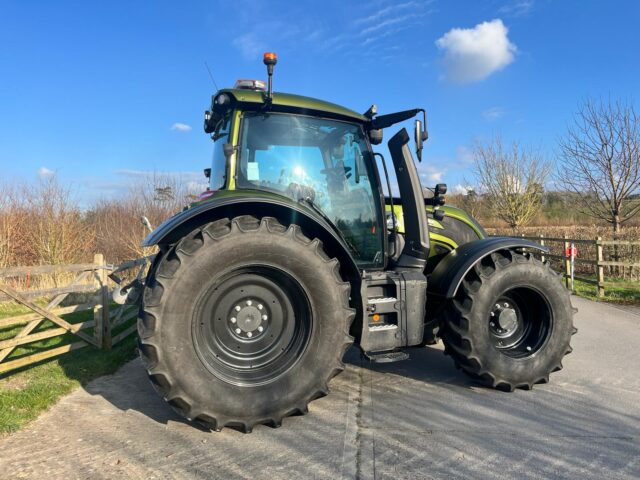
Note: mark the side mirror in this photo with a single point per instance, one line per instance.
(375, 136)
(417, 135)
(420, 135)
(207, 173)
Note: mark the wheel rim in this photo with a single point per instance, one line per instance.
(252, 325)
(520, 322)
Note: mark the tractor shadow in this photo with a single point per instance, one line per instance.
(130, 390)
(425, 364)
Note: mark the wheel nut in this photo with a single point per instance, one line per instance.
(497, 305)
(260, 307)
(491, 324)
(260, 328)
(238, 331)
(233, 320)
(264, 317)
(528, 349)
(492, 314)
(506, 305)
(249, 302)
(238, 308)
(249, 334)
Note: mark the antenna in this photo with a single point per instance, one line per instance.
(211, 75)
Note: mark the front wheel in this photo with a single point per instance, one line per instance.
(511, 322)
(244, 322)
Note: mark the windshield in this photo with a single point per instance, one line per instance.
(318, 161)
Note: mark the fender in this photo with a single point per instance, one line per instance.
(238, 202)
(449, 273)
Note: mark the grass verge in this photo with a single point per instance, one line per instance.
(615, 291)
(27, 392)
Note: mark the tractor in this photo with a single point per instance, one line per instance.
(295, 253)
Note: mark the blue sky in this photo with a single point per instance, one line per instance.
(102, 92)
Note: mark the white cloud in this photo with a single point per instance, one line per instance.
(493, 113)
(472, 54)
(517, 8)
(430, 175)
(460, 189)
(196, 187)
(384, 13)
(464, 155)
(155, 173)
(382, 26)
(249, 46)
(385, 19)
(181, 127)
(44, 173)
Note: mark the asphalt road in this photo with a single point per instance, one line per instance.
(415, 419)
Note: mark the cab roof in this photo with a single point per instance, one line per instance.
(292, 103)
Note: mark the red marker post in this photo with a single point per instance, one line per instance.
(571, 252)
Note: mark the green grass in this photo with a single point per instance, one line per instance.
(616, 291)
(27, 392)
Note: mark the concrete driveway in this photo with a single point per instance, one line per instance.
(415, 419)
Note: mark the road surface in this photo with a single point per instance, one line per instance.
(415, 419)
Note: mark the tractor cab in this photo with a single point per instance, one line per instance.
(319, 155)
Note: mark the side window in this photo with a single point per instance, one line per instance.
(219, 162)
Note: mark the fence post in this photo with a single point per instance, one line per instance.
(542, 243)
(98, 307)
(102, 326)
(567, 262)
(599, 267)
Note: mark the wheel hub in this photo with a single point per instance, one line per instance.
(506, 324)
(248, 319)
(507, 319)
(251, 325)
(519, 322)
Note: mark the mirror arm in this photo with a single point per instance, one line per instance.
(425, 133)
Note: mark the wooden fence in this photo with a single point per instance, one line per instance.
(22, 336)
(594, 256)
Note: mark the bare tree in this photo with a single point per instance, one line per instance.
(12, 227)
(118, 224)
(512, 178)
(57, 230)
(469, 200)
(600, 161)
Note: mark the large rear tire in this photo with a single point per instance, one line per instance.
(244, 322)
(511, 322)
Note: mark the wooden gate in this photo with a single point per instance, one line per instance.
(107, 327)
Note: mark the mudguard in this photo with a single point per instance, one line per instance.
(449, 273)
(234, 203)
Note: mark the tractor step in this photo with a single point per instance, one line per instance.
(386, 357)
(382, 326)
(377, 300)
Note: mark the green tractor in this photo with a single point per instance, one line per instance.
(294, 254)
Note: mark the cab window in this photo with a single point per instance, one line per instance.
(321, 161)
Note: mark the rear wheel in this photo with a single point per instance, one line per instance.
(244, 322)
(510, 323)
